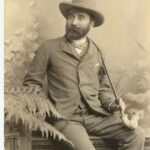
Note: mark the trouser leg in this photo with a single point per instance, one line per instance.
(135, 140)
(76, 133)
(112, 128)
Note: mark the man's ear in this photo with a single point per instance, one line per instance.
(92, 23)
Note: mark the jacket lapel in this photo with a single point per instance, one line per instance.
(67, 48)
(90, 51)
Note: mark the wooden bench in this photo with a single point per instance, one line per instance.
(14, 142)
(39, 143)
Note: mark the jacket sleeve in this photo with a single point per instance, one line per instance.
(37, 70)
(106, 94)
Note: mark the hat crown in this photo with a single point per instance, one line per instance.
(89, 3)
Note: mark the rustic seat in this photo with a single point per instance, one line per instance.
(39, 143)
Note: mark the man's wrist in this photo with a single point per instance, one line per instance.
(113, 106)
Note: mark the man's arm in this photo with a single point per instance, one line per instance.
(106, 94)
(36, 73)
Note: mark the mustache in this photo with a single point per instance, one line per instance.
(76, 32)
(74, 29)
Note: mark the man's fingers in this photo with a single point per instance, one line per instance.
(122, 104)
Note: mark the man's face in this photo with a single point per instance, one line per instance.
(78, 24)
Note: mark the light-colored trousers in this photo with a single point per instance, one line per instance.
(82, 124)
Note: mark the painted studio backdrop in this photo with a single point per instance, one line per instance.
(124, 38)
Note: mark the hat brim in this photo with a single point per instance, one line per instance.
(66, 6)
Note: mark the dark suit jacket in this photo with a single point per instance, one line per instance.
(70, 77)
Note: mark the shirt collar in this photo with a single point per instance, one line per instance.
(68, 48)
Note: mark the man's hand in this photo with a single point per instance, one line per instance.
(33, 89)
(116, 107)
(122, 104)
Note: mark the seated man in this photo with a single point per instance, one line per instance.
(77, 82)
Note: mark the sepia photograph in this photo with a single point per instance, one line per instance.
(76, 75)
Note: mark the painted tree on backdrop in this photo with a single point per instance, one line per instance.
(133, 85)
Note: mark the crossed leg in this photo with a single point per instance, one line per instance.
(112, 128)
(108, 128)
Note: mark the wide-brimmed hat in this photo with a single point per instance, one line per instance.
(88, 5)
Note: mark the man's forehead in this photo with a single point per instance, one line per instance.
(78, 11)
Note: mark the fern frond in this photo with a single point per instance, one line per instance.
(29, 101)
(33, 102)
(32, 122)
(20, 106)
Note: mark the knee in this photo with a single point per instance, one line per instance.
(134, 140)
(139, 134)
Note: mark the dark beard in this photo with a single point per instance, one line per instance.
(75, 33)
